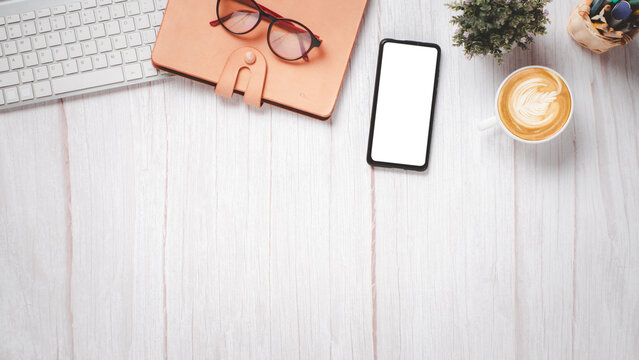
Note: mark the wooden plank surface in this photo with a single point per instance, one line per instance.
(160, 221)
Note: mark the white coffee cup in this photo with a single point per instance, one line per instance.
(495, 120)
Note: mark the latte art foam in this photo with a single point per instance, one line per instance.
(531, 105)
(534, 104)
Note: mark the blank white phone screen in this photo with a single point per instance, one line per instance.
(404, 103)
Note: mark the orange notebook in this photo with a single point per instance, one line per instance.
(187, 45)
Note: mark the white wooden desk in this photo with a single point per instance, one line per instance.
(160, 221)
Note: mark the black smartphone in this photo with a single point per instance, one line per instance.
(403, 104)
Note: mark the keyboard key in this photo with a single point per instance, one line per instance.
(43, 12)
(104, 2)
(3, 34)
(127, 25)
(4, 64)
(60, 53)
(88, 4)
(88, 17)
(117, 11)
(39, 42)
(147, 6)
(42, 89)
(43, 25)
(134, 39)
(156, 18)
(57, 10)
(99, 61)
(30, 59)
(104, 45)
(9, 48)
(1, 97)
(83, 33)
(132, 8)
(11, 95)
(74, 50)
(97, 30)
(26, 75)
(102, 14)
(141, 21)
(148, 69)
(114, 58)
(119, 42)
(12, 19)
(161, 4)
(15, 62)
(84, 64)
(112, 28)
(26, 92)
(29, 15)
(75, 6)
(24, 45)
(70, 67)
(129, 56)
(2, 22)
(53, 39)
(45, 56)
(55, 70)
(73, 20)
(14, 31)
(9, 79)
(41, 73)
(144, 53)
(67, 36)
(133, 72)
(57, 22)
(89, 47)
(28, 28)
(87, 80)
(148, 36)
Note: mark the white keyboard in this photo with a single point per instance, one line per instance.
(55, 49)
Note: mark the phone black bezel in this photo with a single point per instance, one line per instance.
(369, 158)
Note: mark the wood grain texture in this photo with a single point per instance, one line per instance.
(160, 221)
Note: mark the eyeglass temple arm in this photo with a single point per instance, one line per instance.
(216, 22)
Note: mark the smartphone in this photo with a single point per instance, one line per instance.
(403, 104)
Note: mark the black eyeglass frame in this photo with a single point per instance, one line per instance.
(273, 17)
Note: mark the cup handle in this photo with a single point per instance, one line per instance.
(488, 123)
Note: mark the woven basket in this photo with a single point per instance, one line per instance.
(581, 29)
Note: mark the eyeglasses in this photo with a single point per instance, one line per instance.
(288, 39)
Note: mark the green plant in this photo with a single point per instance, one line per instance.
(495, 27)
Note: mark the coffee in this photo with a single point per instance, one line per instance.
(534, 103)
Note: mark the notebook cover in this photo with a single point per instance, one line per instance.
(189, 46)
